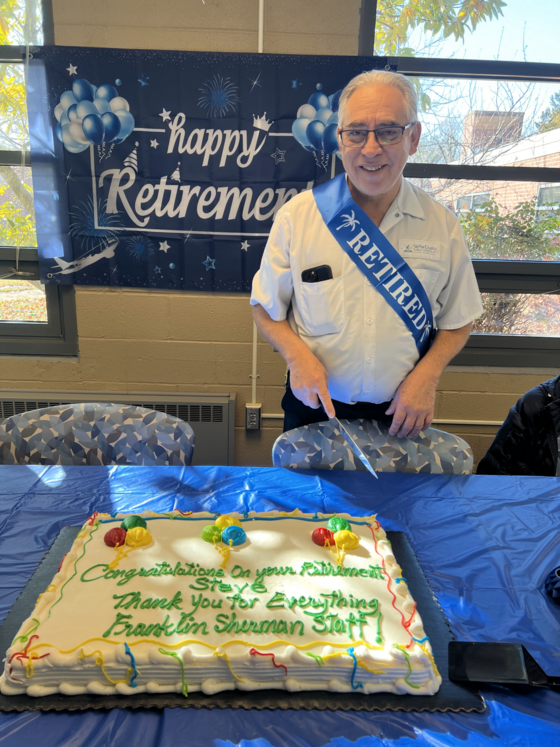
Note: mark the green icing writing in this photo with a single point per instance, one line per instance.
(134, 599)
(204, 602)
(239, 572)
(379, 637)
(237, 601)
(184, 688)
(275, 571)
(333, 624)
(210, 584)
(229, 624)
(124, 625)
(102, 570)
(322, 568)
(334, 600)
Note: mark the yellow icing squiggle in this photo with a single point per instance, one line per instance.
(100, 663)
(50, 587)
(222, 655)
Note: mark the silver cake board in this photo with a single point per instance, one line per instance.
(451, 696)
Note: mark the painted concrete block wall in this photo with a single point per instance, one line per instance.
(133, 340)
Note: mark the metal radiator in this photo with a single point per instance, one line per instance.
(211, 416)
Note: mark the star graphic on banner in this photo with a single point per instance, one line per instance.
(154, 143)
(72, 69)
(278, 156)
(68, 176)
(114, 270)
(255, 82)
(143, 79)
(165, 114)
(209, 263)
(187, 236)
(296, 83)
(245, 245)
(164, 246)
(157, 270)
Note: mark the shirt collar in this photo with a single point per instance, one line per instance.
(408, 201)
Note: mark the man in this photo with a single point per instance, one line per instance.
(348, 350)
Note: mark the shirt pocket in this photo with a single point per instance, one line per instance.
(321, 306)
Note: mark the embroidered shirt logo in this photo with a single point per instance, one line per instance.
(420, 249)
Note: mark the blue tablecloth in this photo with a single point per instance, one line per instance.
(486, 545)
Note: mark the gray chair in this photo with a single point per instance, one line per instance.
(96, 434)
(321, 446)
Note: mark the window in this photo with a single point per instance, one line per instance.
(34, 319)
(490, 152)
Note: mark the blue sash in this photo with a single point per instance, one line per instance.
(377, 258)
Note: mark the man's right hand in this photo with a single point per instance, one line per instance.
(308, 376)
(309, 382)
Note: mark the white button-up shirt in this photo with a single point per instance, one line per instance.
(365, 347)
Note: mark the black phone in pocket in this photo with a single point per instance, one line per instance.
(317, 274)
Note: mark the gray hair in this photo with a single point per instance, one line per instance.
(385, 78)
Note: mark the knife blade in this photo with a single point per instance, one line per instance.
(335, 422)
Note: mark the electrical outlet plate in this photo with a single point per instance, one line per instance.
(253, 417)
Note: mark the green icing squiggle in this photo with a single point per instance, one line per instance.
(175, 655)
(405, 652)
(75, 568)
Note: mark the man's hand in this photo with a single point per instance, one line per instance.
(413, 405)
(308, 376)
(309, 382)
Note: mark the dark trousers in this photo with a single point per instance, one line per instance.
(297, 414)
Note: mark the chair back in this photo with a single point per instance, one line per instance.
(321, 446)
(96, 433)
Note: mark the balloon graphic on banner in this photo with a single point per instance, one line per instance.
(316, 122)
(89, 115)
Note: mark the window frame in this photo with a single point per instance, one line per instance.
(58, 336)
(493, 275)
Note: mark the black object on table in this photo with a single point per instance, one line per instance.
(452, 696)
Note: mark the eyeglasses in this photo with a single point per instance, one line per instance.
(383, 135)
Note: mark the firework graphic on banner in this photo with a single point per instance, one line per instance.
(219, 96)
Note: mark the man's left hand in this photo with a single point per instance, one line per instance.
(413, 405)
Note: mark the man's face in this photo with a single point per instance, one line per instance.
(372, 169)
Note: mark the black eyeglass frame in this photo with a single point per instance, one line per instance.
(402, 128)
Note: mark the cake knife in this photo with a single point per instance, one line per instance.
(335, 422)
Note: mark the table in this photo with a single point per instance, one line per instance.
(486, 545)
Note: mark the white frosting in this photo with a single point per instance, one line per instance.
(278, 574)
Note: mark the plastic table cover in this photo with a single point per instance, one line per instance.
(486, 545)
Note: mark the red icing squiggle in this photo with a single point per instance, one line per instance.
(62, 561)
(254, 652)
(20, 655)
(182, 512)
(91, 521)
(404, 622)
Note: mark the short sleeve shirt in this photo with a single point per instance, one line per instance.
(364, 345)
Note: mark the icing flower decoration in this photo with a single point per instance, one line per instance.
(234, 535)
(337, 524)
(227, 521)
(133, 521)
(322, 536)
(115, 537)
(138, 537)
(211, 533)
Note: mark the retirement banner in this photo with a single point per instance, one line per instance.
(166, 169)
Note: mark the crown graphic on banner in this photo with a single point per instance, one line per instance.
(262, 123)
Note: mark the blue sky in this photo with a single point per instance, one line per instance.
(536, 22)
